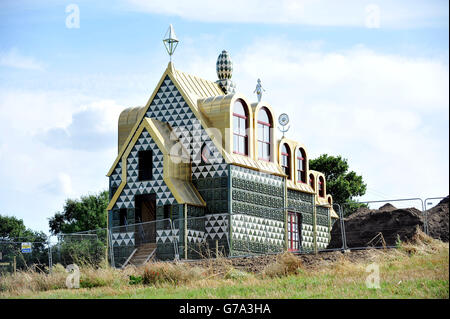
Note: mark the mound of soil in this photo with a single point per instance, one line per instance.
(438, 220)
(384, 226)
(256, 264)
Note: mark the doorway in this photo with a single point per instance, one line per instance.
(145, 209)
(294, 231)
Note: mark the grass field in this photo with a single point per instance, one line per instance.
(419, 270)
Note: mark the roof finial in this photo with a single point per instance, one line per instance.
(258, 90)
(170, 41)
(224, 68)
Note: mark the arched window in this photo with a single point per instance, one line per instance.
(321, 187)
(329, 200)
(264, 141)
(240, 128)
(301, 165)
(286, 160)
(312, 182)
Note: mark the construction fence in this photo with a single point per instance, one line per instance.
(209, 236)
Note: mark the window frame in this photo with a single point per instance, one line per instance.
(321, 188)
(312, 181)
(237, 116)
(145, 173)
(291, 231)
(288, 156)
(301, 173)
(261, 141)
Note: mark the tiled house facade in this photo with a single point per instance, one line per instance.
(200, 149)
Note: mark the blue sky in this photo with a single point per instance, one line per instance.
(376, 94)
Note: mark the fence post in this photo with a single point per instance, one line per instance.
(185, 233)
(315, 225)
(50, 260)
(14, 265)
(344, 238)
(217, 248)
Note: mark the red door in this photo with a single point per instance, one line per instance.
(294, 239)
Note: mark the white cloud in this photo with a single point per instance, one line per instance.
(66, 183)
(387, 114)
(40, 172)
(308, 12)
(14, 59)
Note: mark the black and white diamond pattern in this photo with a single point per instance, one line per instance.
(116, 177)
(195, 236)
(224, 66)
(227, 86)
(216, 226)
(307, 236)
(169, 106)
(123, 239)
(166, 235)
(135, 187)
(255, 176)
(256, 229)
(323, 236)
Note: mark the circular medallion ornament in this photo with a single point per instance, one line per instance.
(283, 119)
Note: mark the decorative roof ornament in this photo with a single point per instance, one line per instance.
(258, 90)
(170, 41)
(224, 69)
(283, 119)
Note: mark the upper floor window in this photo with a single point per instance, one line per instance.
(301, 165)
(286, 160)
(145, 170)
(240, 128)
(312, 182)
(321, 187)
(264, 141)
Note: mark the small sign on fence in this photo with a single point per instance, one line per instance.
(26, 247)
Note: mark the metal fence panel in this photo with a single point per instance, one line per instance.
(138, 243)
(203, 237)
(24, 255)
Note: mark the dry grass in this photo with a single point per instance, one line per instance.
(286, 264)
(174, 273)
(416, 269)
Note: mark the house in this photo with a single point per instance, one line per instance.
(201, 163)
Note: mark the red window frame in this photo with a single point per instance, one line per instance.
(301, 173)
(237, 116)
(294, 233)
(311, 181)
(321, 188)
(288, 160)
(269, 142)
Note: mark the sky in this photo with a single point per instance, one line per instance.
(367, 80)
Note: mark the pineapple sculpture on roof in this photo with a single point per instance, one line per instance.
(224, 68)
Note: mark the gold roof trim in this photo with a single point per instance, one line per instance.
(176, 169)
(333, 214)
(190, 87)
(302, 187)
(127, 120)
(263, 166)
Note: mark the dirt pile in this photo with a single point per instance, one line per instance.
(438, 220)
(257, 264)
(383, 226)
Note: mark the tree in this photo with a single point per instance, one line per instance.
(86, 213)
(12, 232)
(342, 184)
